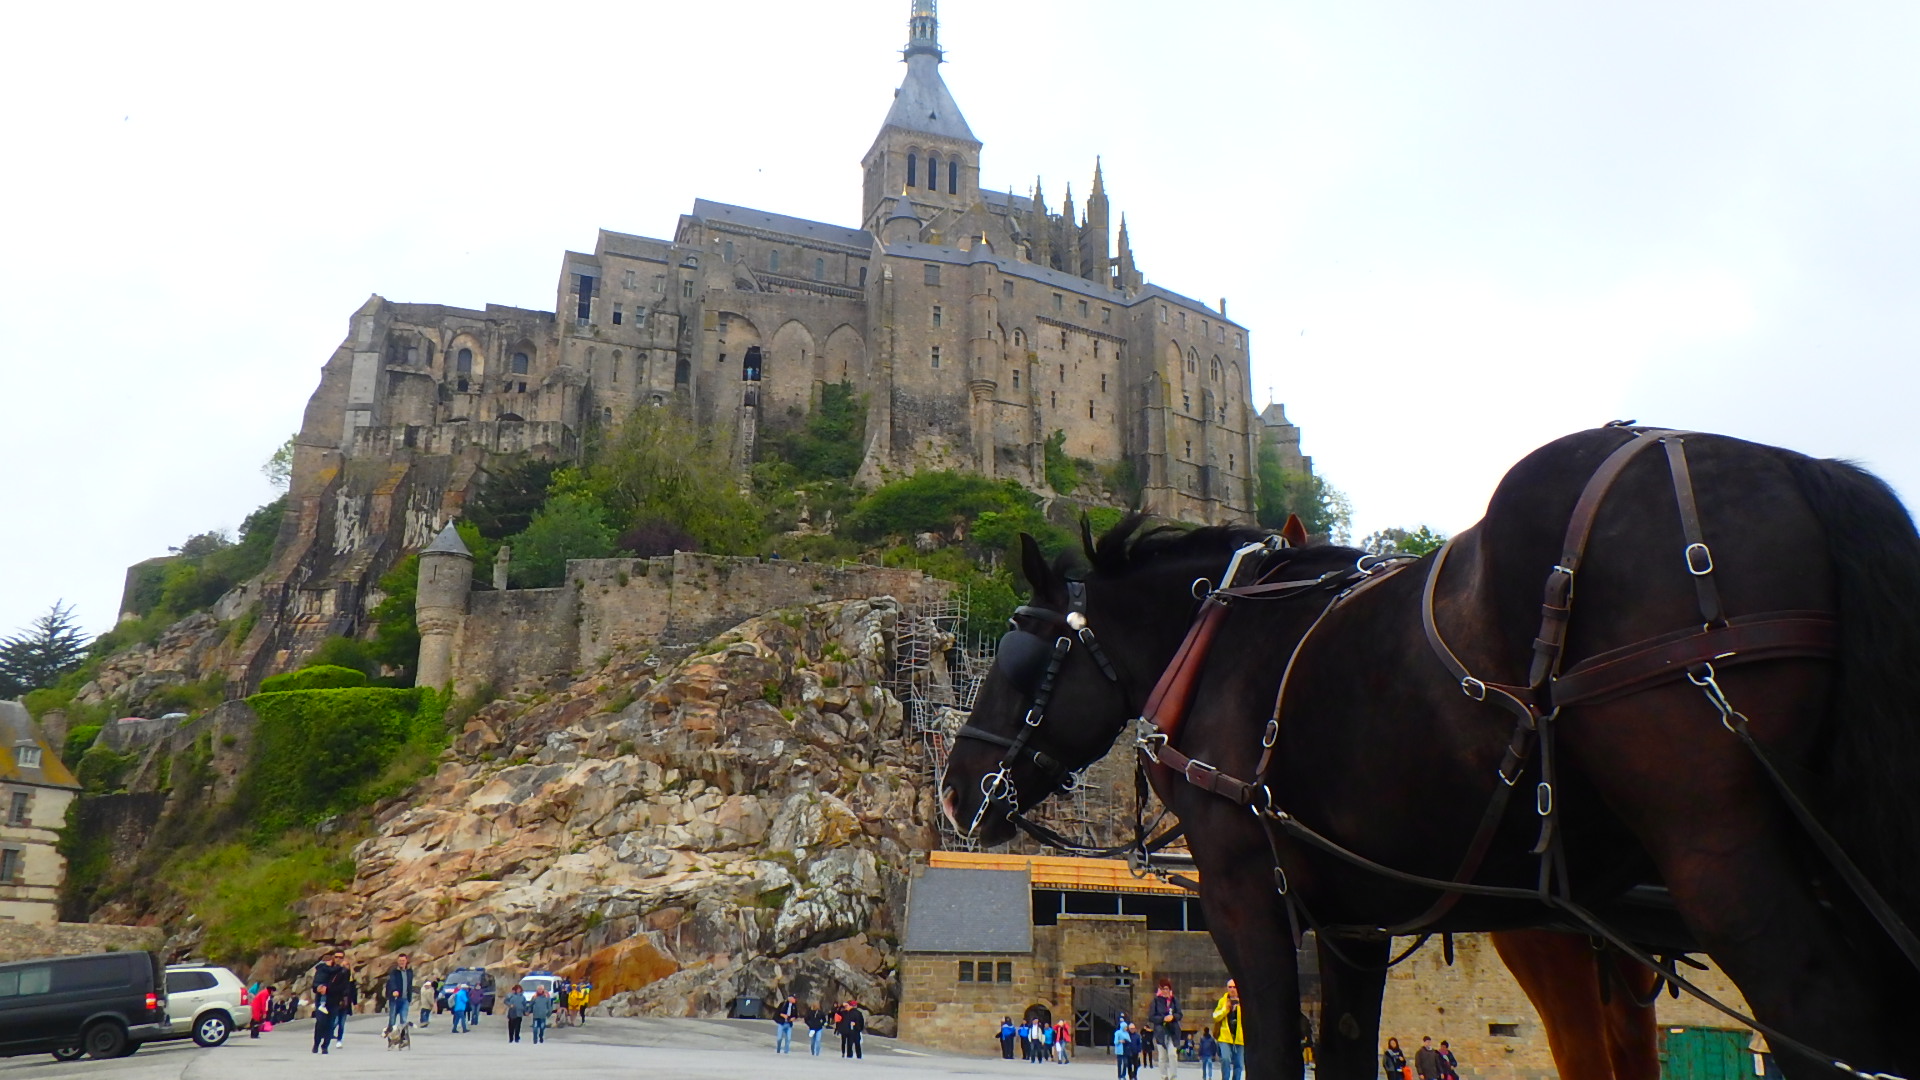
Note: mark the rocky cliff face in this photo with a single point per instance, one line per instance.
(740, 821)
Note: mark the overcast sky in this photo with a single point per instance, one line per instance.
(1455, 230)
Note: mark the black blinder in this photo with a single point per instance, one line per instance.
(1023, 659)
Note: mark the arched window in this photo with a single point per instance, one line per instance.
(1193, 362)
(1219, 370)
(953, 178)
(1019, 339)
(913, 165)
(463, 362)
(773, 260)
(682, 371)
(933, 172)
(519, 363)
(750, 367)
(819, 269)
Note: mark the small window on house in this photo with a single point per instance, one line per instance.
(819, 269)
(930, 274)
(1019, 339)
(1106, 316)
(12, 864)
(773, 260)
(519, 363)
(913, 169)
(629, 279)
(27, 757)
(1183, 320)
(639, 316)
(953, 178)
(615, 369)
(521, 388)
(1096, 348)
(726, 251)
(1006, 288)
(1193, 362)
(1059, 302)
(1220, 335)
(1083, 309)
(936, 356)
(936, 316)
(616, 315)
(1163, 313)
(1205, 328)
(966, 966)
(463, 362)
(933, 172)
(584, 286)
(1016, 378)
(686, 288)
(1218, 369)
(17, 806)
(1103, 382)
(1236, 340)
(660, 284)
(1005, 972)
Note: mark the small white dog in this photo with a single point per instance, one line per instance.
(400, 1038)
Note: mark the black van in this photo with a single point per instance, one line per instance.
(104, 1006)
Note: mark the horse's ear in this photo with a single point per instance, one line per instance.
(1086, 541)
(1033, 564)
(1294, 533)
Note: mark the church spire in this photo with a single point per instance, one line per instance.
(923, 30)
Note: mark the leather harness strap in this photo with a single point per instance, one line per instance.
(1697, 555)
(1746, 638)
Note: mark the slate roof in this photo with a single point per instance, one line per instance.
(761, 219)
(967, 911)
(923, 103)
(448, 543)
(16, 728)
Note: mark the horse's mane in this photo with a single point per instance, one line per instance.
(1125, 549)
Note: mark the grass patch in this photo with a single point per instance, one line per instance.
(245, 896)
(402, 936)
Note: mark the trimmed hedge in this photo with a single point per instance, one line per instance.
(314, 677)
(317, 753)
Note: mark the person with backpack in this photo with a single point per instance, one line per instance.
(458, 1006)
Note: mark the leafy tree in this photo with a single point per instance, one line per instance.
(659, 467)
(1062, 474)
(205, 566)
(1420, 541)
(1322, 508)
(396, 636)
(655, 536)
(36, 657)
(934, 502)
(831, 442)
(509, 496)
(569, 526)
(279, 468)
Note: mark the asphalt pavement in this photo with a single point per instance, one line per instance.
(678, 1048)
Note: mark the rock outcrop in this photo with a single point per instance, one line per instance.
(739, 822)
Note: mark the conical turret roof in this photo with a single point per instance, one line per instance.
(448, 543)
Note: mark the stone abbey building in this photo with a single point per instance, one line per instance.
(975, 321)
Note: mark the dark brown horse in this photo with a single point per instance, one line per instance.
(1383, 752)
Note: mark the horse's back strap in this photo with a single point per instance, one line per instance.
(1773, 635)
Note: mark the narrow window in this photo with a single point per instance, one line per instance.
(936, 356)
(966, 966)
(520, 363)
(936, 316)
(1183, 320)
(1089, 408)
(660, 284)
(1083, 309)
(616, 314)
(1059, 302)
(1103, 382)
(933, 172)
(819, 269)
(953, 178)
(1217, 369)
(1189, 448)
(10, 864)
(463, 362)
(17, 812)
(913, 166)
(1230, 463)
(1063, 373)
(629, 279)
(1186, 402)
(521, 388)
(1504, 1031)
(686, 288)
(863, 277)
(1163, 313)
(1223, 414)
(1193, 362)
(930, 274)
(615, 369)
(773, 260)
(1016, 378)
(1006, 288)
(1006, 972)
(1106, 316)
(1205, 329)
(586, 298)
(726, 251)
(1019, 339)
(1053, 399)
(1236, 341)
(639, 316)
(1096, 348)
(1063, 341)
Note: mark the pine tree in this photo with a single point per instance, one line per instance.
(36, 657)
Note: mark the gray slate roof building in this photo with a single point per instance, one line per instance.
(967, 911)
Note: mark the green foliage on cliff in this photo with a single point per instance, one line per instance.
(1062, 474)
(569, 526)
(314, 677)
(1323, 508)
(829, 443)
(321, 752)
(205, 566)
(659, 467)
(103, 770)
(245, 896)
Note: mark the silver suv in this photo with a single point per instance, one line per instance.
(203, 1003)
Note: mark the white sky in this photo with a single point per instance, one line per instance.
(1455, 230)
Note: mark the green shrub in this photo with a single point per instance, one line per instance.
(933, 502)
(102, 770)
(346, 652)
(1062, 474)
(320, 752)
(403, 935)
(315, 677)
(79, 741)
(247, 897)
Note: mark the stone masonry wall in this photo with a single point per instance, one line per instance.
(23, 941)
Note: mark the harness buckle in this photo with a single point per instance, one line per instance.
(1271, 735)
(1543, 799)
(1505, 779)
(1699, 559)
(1034, 718)
(1473, 688)
(1196, 763)
(1201, 588)
(1148, 737)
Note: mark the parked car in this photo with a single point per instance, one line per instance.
(476, 980)
(102, 1006)
(203, 1003)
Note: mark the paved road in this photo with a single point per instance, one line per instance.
(691, 1049)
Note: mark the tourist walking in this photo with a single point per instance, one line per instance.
(1393, 1062)
(516, 1012)
(474, 994)
(853, 1024)
(458, 1006)
(783, 1018)
(1062, 1042)
(331, 982)
(1165, 1011)
(428, 1000)
(262, 1008)
(1449, 1065)
(541, 1009)
(1008, 1036)
(349, 1001)
(816, 1023)
(1426, 1060)
(1209, 1052)
(1228, 1032)
(400, 991)
(1122, 1047)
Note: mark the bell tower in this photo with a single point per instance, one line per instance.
(925, 150)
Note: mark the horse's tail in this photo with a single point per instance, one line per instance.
(1875, 737)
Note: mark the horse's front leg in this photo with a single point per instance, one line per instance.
(1249, 925)
(1350, 995)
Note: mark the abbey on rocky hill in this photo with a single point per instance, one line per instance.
(976, 323)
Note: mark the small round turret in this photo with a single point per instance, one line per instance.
(440, 604)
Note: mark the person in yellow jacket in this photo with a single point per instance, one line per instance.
(578, 1001)
(1229, 1032)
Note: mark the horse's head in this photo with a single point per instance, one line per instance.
(1077, 663)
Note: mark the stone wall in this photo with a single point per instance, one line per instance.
(21, 941)
(610, 605)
